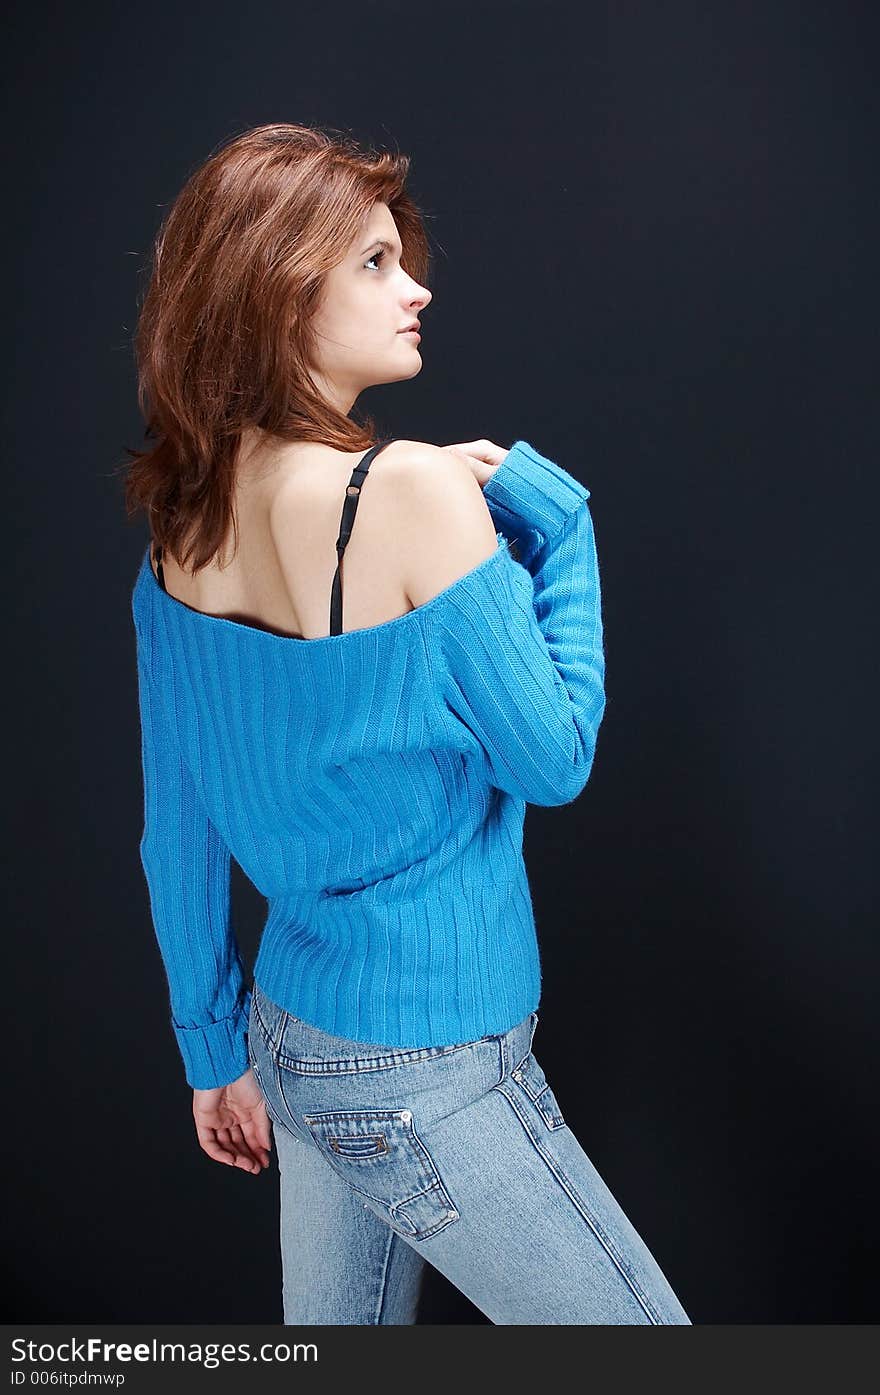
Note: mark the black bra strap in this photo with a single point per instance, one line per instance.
(349, 509)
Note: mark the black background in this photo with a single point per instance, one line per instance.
(654, 233)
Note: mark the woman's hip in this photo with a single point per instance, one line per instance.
(369, 1109)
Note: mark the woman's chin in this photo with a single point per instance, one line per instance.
(414, 370)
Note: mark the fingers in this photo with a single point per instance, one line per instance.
(258, 1136)
(484, 451)
(244, 1155)
(229, 1145)
(216, 1147)
(261, 1135)
(232, 1125)
(217, 1152)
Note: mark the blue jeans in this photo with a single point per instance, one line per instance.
(456, 1156)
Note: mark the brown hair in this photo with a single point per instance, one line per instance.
(224, 336)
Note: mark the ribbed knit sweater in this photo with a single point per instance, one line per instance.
(372, 785)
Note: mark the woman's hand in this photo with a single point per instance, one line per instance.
(482, 457)
(232, 1123)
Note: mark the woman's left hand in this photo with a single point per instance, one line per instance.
(483, 457)
(232, 1124)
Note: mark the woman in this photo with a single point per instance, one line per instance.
(370, 779)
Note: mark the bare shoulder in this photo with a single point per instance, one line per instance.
(402, 476)
(316, 469)
(421, 512)
(447, 528)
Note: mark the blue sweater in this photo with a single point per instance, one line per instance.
(372, 785)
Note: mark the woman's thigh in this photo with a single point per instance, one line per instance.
(340, 1263)
(541, 1239)
(462, 1154)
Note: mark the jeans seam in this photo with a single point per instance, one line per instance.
(293, 1128)
(269, 1037)
(285, 1119)
(571, 1191)
(383, 1279)
(354, 1065)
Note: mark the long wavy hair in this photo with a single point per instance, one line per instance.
(224, 336)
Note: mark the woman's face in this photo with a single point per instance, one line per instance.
(367, 300)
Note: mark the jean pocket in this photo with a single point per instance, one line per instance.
(531, 1077)
(380, 1156)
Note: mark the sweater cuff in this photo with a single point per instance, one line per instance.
(217, 1054)
(532, 495)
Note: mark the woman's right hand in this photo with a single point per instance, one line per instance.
(482, 457)
(232, 1124)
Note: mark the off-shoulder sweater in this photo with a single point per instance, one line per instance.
(372, 785)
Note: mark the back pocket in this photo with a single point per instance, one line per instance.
(380, 1155)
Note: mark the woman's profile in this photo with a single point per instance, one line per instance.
(359, 659)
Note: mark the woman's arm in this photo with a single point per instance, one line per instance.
(187, 867)
(521, 649)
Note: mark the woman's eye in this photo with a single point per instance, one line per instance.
(376, 257)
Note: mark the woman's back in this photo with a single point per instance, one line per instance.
(288, 505)
(372, 784)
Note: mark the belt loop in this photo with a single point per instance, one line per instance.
(272, 1016)
(278, 1036)
(504, 1044)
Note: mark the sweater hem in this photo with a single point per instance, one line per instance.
(491, 1025)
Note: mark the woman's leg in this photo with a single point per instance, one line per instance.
(539, 1239)
(463, 1153)
(340, 1263)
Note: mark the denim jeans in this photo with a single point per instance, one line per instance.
(455, 1156)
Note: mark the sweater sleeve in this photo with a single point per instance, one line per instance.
(187, 868)
(522, 654)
